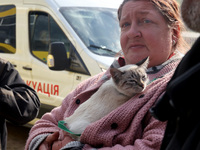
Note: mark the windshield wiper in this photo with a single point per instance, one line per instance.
(103, 48)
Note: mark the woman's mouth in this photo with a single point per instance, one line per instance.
(136, 46)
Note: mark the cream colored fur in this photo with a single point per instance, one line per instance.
(107, 98)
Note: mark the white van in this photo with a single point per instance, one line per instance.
(88, 28)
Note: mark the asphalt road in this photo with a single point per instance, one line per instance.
(17, 136)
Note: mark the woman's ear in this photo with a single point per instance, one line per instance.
(176, 31)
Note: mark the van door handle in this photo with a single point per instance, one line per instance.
(27, 68)
(14, 64)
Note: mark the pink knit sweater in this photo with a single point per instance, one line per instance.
(129, 127)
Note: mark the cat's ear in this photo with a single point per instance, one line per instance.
(143, 63)
(116, 74)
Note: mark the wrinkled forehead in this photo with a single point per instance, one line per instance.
(139, 11)
(145, 8)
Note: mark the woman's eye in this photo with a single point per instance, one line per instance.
(146, 21)
(125, 25)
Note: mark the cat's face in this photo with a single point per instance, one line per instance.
(130, 79)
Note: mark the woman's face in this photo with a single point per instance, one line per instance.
(144, 32)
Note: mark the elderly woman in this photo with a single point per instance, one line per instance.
(148, 28)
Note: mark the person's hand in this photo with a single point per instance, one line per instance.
(48, 142)
(59, 144)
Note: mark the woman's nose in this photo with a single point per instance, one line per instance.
(134, 32)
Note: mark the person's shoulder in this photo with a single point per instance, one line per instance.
(3, 65)
(87, 84)
(3, 61)
(92, 80)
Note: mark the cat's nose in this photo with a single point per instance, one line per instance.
(141, 85)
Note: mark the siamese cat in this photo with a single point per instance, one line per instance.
(125, 82)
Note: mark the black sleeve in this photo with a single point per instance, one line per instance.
(19, 103)
(181, 91)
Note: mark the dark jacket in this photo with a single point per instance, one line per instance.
(19, 103)
(180, 104)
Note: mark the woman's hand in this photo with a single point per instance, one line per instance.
(53, 143)
(59, 144)
(48, 142)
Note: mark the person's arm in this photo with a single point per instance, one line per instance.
(48, 124)
(151, 140)
(18, 102)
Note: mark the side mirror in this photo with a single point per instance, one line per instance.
(57, 57)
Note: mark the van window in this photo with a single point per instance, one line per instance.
(43, 30)
(7, 29)
(101, 28)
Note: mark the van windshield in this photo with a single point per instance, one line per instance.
(98, 28)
